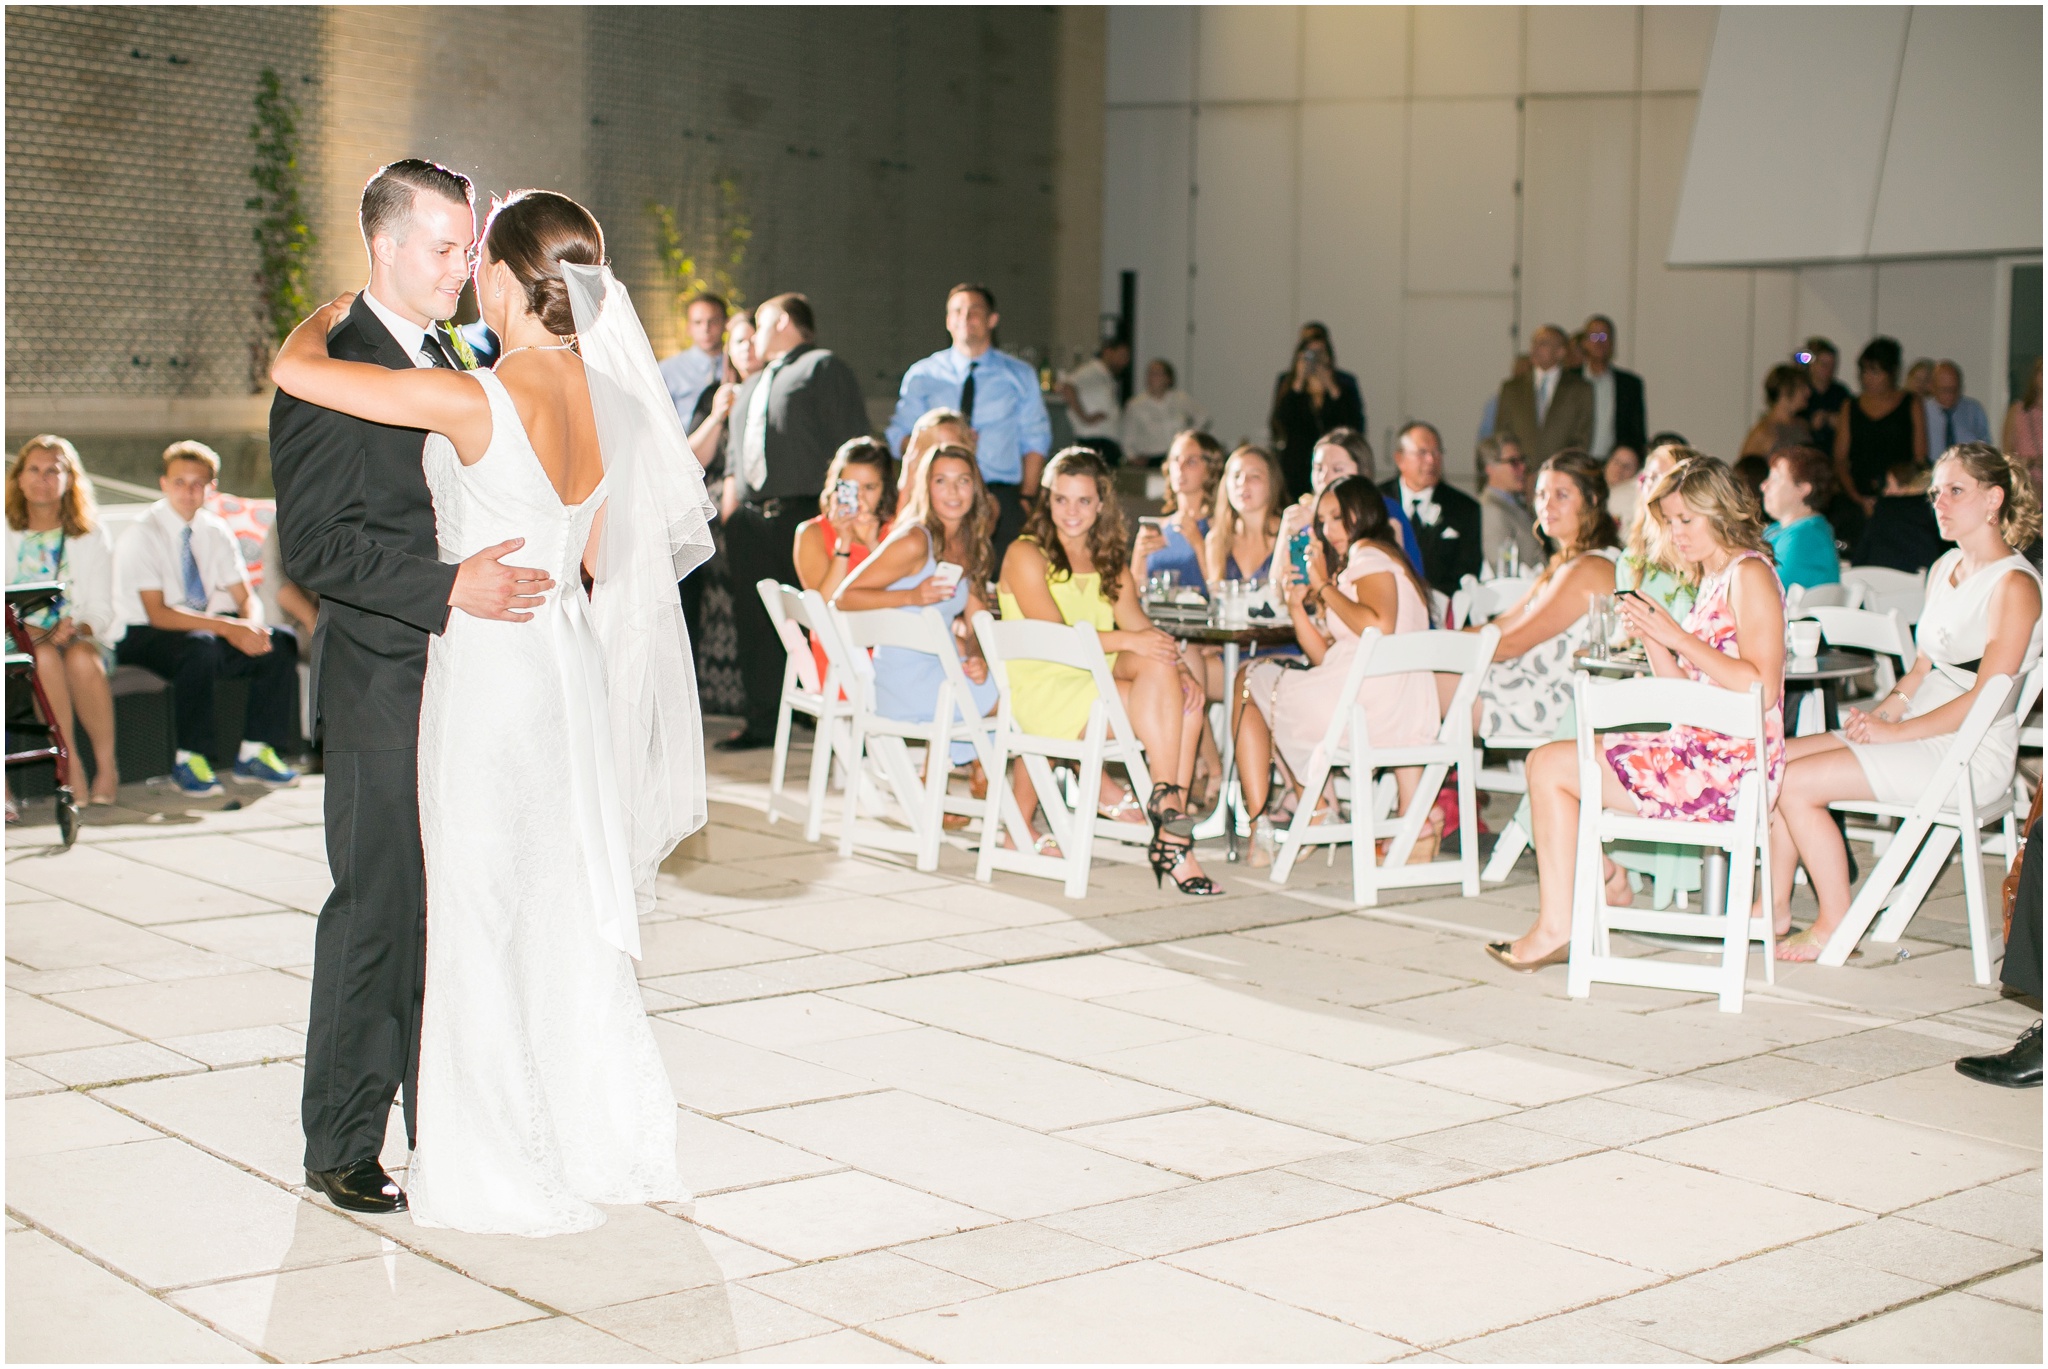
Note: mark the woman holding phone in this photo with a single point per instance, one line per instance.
(855, 512)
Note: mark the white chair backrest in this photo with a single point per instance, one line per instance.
(1802, 599)
(1885, 589)
(866, 629)
(1465, 654)
(1615, 707)
(1076, 645)
(2029, 691)
(796, 611)
(1866, 630)
(1483, 601)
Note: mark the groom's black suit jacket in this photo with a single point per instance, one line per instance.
(356, 524)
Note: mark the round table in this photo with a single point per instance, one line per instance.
(1826, 674)
(1233, 640)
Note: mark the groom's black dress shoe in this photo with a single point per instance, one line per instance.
(2018, 1068)
(360, 1187)
(743, 741)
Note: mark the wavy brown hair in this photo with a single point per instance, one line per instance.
(1596, 530)
(79, 512)
(1710, 488)
(1212, 461)
(977, 529)
(1224, 518)
(862, 451)
(2019, 517)
(1109, 543)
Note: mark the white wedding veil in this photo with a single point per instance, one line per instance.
(656, 529)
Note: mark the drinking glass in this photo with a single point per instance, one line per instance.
(1600, 620)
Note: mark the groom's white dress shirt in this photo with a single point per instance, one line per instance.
(409, 335)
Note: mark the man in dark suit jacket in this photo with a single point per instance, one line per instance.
(1629, 424)
(1549, 409)
(356, 525)
(1447, 520)
(787, 421)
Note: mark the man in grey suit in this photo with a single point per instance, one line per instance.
(1504, 517)
(788, 420)
(1549, 409)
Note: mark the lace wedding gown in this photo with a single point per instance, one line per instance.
(541, 1091)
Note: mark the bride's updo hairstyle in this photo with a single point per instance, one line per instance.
(534, 232)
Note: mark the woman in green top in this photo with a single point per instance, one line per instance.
(1802, 541)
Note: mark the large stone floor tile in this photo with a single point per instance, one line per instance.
(801, 1019)
(1144, 1313)
(716, 1075)
(1289, 1021)
(1517, 1074)
(1595, 1029)
(1092, 976)
(1880, 1053)
(1954, 1328)
(1802, 1147)
(99, 879)
(1304, 1090)
(1014, 1254)
(1793, 1286)
(221, 859)
(1696, 1318)
(554, 1340)
(52, 935)
(1220, 1210)
(1390, 1170)
(1207, 1142)
(249, 1115)
(23, 1082)
(35, 1027)
(1693, 1098)
(851, 923)
(242, 1045)
(350, 1308)
(55, 1122)
(834, 1347)
(1642, 1212)
(959, 1155)
(1993, 1212)
(864, 1288)
(639, 1252)
(1917, 1250)
(1009, 1015)
(111, 1064)
(1421, 1276)
(712, 1156)
(1573, 1338)
(1599, 1121)
(279, 940)
(63, 1308)
(707, 1323)
(833, 1214)
(2021, 1287)
(1249, 959)
(1499, 1146)
(1939, 1097)
(169, 1215)
(686, 944)
(869, 872)
(996, 1081)
(187, 1006)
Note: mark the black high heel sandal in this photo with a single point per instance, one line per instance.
(1168, 816)
(1166, 853)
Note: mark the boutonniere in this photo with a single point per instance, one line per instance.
(1429, 514)
(459, 345)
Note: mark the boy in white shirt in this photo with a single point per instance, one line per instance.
(193, 619)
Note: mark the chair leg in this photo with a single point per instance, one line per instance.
(1912, 890)
(1081, 852)
(856, 767)
(780, 764)
(1507, 849)
(1297, 829)
(938, 765)
(1586, 901)
(1468, 831)
(1863, 911)
(825, 742)
(1973, 902)
(992, 811)
(1735, 926)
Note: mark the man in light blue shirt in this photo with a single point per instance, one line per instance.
(1952, 416)
(998, 394)
(689, 372)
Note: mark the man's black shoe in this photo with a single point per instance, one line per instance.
(743, 741)
(360, 1187)
(2018, 1068)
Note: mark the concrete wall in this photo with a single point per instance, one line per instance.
(1433, 183)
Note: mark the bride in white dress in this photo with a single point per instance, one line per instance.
(560, 757)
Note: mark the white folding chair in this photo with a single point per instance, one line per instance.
(1482, 601)
(795, 612)
(1885, 589)
(886, 741)
(1800, 599)
(1886, 633)
(1108, 739)
(1347, 745)
(1929, 829)
(1628, 704)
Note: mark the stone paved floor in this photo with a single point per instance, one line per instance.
(927, 1118)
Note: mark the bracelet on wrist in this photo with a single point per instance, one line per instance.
(842, 554)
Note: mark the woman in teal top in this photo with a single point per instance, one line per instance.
(1802, 541)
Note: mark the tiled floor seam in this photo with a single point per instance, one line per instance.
(1799, 1343)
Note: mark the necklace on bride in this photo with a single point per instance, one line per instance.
(568, 346)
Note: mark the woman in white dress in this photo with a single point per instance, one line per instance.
(1982, 618)
(560, 757)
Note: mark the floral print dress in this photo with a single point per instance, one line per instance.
(1692, 772)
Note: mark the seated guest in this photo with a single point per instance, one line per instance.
(53, 533)
(1624, 464)
(1751, 472)
(1786, 390)
(1158, 414)
(1504, 518)
(1802, 542)
(830, 547)
(1733, 637)
(1246, 526)
(1982, 618)
(1646, 563)
(1446, 519)
(1070, 566)
(1357, 579)
(1194, 468)
(951, 518)
(1902, 532)
(192, 618)
(1529, 685)
(1338, 453)
(935, 428)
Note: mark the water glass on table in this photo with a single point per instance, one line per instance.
(1601, 619)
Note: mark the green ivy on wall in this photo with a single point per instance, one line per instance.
(284, 238)
(711, 263)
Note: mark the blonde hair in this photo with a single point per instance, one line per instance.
(1708, 487)
(79, 512)
(1645, 547)
(192, 451)
(2019, 515)
(1224, 519)
(977, 529)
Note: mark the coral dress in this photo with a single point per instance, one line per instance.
(854, 557)
(1691, 772)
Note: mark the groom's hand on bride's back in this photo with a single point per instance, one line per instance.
(485, 587)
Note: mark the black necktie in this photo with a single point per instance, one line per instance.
(1948, 419)
(430, 348)
(967, 393)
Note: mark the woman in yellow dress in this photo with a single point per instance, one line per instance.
(1072, 565)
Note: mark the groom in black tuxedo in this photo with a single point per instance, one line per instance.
(356, 525)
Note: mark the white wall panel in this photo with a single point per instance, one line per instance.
(1350, 254)
(1838, 303)
(1942, 309)
(1244, 243)
(1580, 49)
(1355, 52)
(1578, 213)
(1151, 54)
(1467, 50)
(1248, 52)
(1145, 224)
(1461, 201)
(1676, 42)
(1774, 304)
(1457, 352)
(1692, 327)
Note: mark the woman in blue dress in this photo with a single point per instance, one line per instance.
(1175, 540)
(1247, 522)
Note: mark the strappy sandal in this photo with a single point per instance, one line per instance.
(1166, 812)
(1123, 809)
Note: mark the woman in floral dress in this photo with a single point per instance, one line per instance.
(1733, 637)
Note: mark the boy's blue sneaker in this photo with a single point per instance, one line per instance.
(195, 777)
(265, 767)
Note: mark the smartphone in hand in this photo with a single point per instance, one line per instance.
(846, 498)
(1297, 553)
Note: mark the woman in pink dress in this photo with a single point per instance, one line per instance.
(1357, 578)
(1733, 637)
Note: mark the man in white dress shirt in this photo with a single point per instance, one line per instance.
(192, 617)
(689, 371)
(1158, 414)
(1094, 401)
